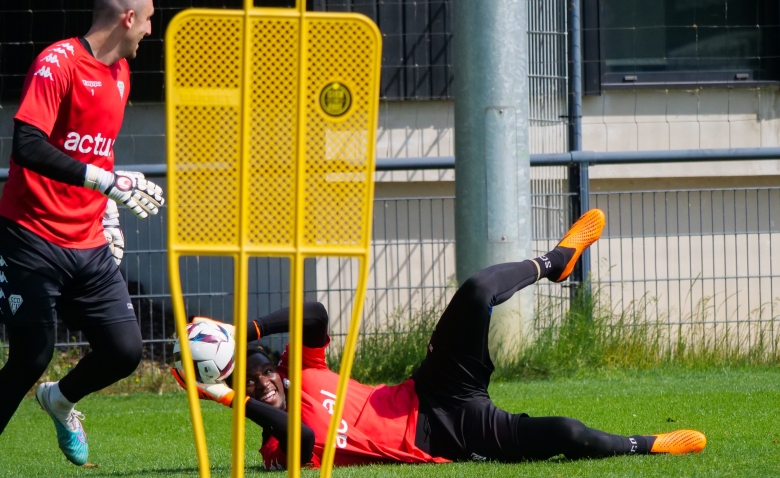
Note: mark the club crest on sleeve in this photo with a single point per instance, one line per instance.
(14, 300)
(121, 87)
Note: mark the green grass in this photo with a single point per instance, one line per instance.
(149, 435)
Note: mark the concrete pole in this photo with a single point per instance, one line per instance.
(492, 167)
(578, 173)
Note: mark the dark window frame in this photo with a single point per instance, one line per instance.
(417, 43)
(595, 79)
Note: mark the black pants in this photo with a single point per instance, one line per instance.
(457, 419)
(40, 282)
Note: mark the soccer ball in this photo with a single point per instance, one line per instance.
(212, 352)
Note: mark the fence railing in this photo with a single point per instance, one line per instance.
(677, 257)
(706, 259)
(413, 266)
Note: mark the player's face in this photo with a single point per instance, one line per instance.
(263, 383)
(140, 27)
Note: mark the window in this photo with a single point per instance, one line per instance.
(632, 43)
(417, 39)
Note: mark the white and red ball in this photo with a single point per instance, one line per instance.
(212, 350)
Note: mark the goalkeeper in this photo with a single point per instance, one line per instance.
(443, 412)
(57, 212)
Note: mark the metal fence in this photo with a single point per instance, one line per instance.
(703, 263)
(413, 267)
(547, 76)
(694, 261)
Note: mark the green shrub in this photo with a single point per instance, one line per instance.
(589, 336)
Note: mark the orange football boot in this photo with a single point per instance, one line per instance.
(679, 442)
(580, 236)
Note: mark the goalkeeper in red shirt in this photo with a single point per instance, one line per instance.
(57, 211)
(443, 412)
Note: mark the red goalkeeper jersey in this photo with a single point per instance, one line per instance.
(378, 424)
(79, 103)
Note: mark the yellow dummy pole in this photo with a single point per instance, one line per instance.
(186, 359)
(177, 298)
(296, 278)
(241, 261)
(346, 369)
(348, 356)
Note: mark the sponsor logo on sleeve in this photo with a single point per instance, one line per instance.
(14, 300)
(44, 72)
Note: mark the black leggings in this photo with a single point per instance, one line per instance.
(457, 418)
(116, 352)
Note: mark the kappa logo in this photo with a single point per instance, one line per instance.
(44, 72)
(51, 58)
(68, 47)
(2, 262)
(2, 277)
(60, 51)
(91, 84)
(121, 87)
(15, 301)
(2, 294)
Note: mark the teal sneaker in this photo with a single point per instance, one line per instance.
(71, 436)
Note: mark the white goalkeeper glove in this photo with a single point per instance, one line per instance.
(217, 392)
(129, 188)
(112, 231)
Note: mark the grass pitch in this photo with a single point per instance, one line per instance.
(148, 435)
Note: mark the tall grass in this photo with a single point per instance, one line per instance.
(391, 353)
(591, 335)
(150, 376)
